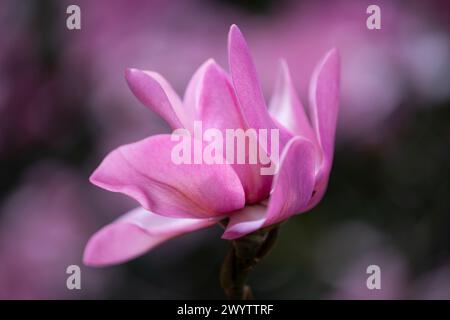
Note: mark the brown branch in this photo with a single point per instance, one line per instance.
(242, 257)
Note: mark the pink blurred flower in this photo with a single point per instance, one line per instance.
(176, 199)
(383, 69)
(42, 227)
(353, 283)
(34, 107)
(347, 250)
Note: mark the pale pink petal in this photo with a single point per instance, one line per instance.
(293, 186)
(192, 94)
(245, 221)
(324, 106)
(287, 108)
(145, 171)
(291, 191)
(157, 94)
(135, 233)
(247, 87)
(216, 106)
(216, 103)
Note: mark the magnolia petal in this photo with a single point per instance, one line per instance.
(293, 186)
(192, 93)
(135, 233)
(210, 93)
(287, 108)
(324, 106)
(245, 221)
(217, 108)
(146, 172)
(217, 103)
(155, 92)
(291, 192)
(247, 87)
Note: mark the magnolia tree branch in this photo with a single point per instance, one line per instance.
(242, 257)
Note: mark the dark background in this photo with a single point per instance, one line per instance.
(64, 104)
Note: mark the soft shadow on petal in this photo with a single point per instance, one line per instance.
(135, 233)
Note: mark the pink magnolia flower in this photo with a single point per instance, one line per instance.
(179, 198)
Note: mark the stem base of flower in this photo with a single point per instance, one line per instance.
(242, 257)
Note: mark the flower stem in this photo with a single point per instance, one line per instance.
(242, 257)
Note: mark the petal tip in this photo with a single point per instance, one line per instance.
(96, 250)
(90, 258)
(101, 174)
(235, 34)
(230, 235)
(130, 72)
(114, 244)
(210, 61)
(234, 28)
(132, 77)
(94, 178)
(333, 55)
(212, 68)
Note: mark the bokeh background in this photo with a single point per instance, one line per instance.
(64, 104)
